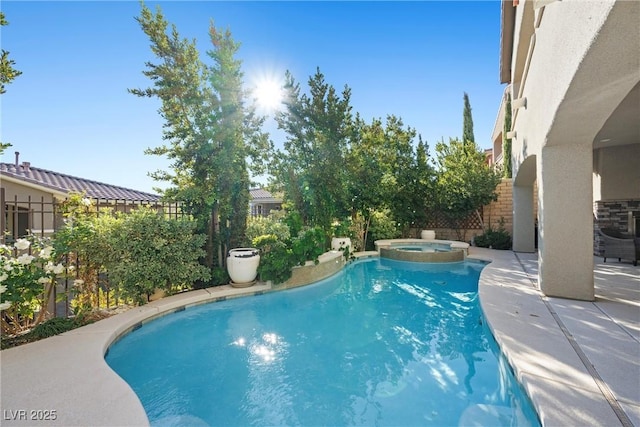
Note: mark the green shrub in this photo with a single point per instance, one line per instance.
(382, 227)
(276, 260)
(273, 224)
(342, 228)
(309, 245)
(483, 240)
(87, 238)
(52, 327)
(494, 239)
(154, 252)
(293, 219)
(279, 257)
(219, 276)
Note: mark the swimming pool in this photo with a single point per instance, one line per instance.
(381, 343)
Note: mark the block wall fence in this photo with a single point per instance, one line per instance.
(493, 213)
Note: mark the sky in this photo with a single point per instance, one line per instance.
(70, 111)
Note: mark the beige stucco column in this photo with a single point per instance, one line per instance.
(565, 221)
(523, 219)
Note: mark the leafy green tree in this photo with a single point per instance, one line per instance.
(312, 166)
(7, 73)
(235, 125)
(506, 142)
(465, 181)
(467, 125)
(385, 171)
(417, 189)
(413, 178)
(209, 132)
(367, 160)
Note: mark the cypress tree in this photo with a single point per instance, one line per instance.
(467, 126)
(506, 142)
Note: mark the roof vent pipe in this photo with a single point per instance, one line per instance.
(17, 157)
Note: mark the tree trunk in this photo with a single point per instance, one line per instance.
(366, 231)
(48, 292)
(480, 219)
(210, 239)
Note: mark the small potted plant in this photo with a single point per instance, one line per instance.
(242, 266)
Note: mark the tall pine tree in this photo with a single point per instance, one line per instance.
(209, 132)
(312, 169)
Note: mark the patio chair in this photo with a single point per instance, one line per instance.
(619, 245)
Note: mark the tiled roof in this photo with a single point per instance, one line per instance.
(262, 195)
(67, 183)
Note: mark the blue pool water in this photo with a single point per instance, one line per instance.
(382, 343)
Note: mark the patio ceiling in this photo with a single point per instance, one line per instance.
(623, 126)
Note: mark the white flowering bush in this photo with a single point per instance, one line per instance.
(28, 271)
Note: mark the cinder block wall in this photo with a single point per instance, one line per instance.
(501, 208)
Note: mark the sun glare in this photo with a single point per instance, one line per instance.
(268, 94)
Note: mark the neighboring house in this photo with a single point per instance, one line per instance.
(29, 195)
(573, 73)
(261, 202)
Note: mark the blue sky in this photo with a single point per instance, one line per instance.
(70, 110)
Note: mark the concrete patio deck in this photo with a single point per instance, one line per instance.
(579, 361)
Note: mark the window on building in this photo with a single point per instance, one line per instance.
(16, 222)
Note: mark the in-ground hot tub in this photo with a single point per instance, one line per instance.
(418, 250)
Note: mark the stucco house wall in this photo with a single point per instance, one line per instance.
(34, 211)
(616, 172)
(560, 44)
(570, 65)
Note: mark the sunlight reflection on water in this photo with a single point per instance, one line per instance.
(383, 343)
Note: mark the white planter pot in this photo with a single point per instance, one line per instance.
(242, 266)
(428, 235)
(339, 243)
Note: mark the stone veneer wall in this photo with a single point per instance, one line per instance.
(329, 264)
(455, 255)
(612, 214)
